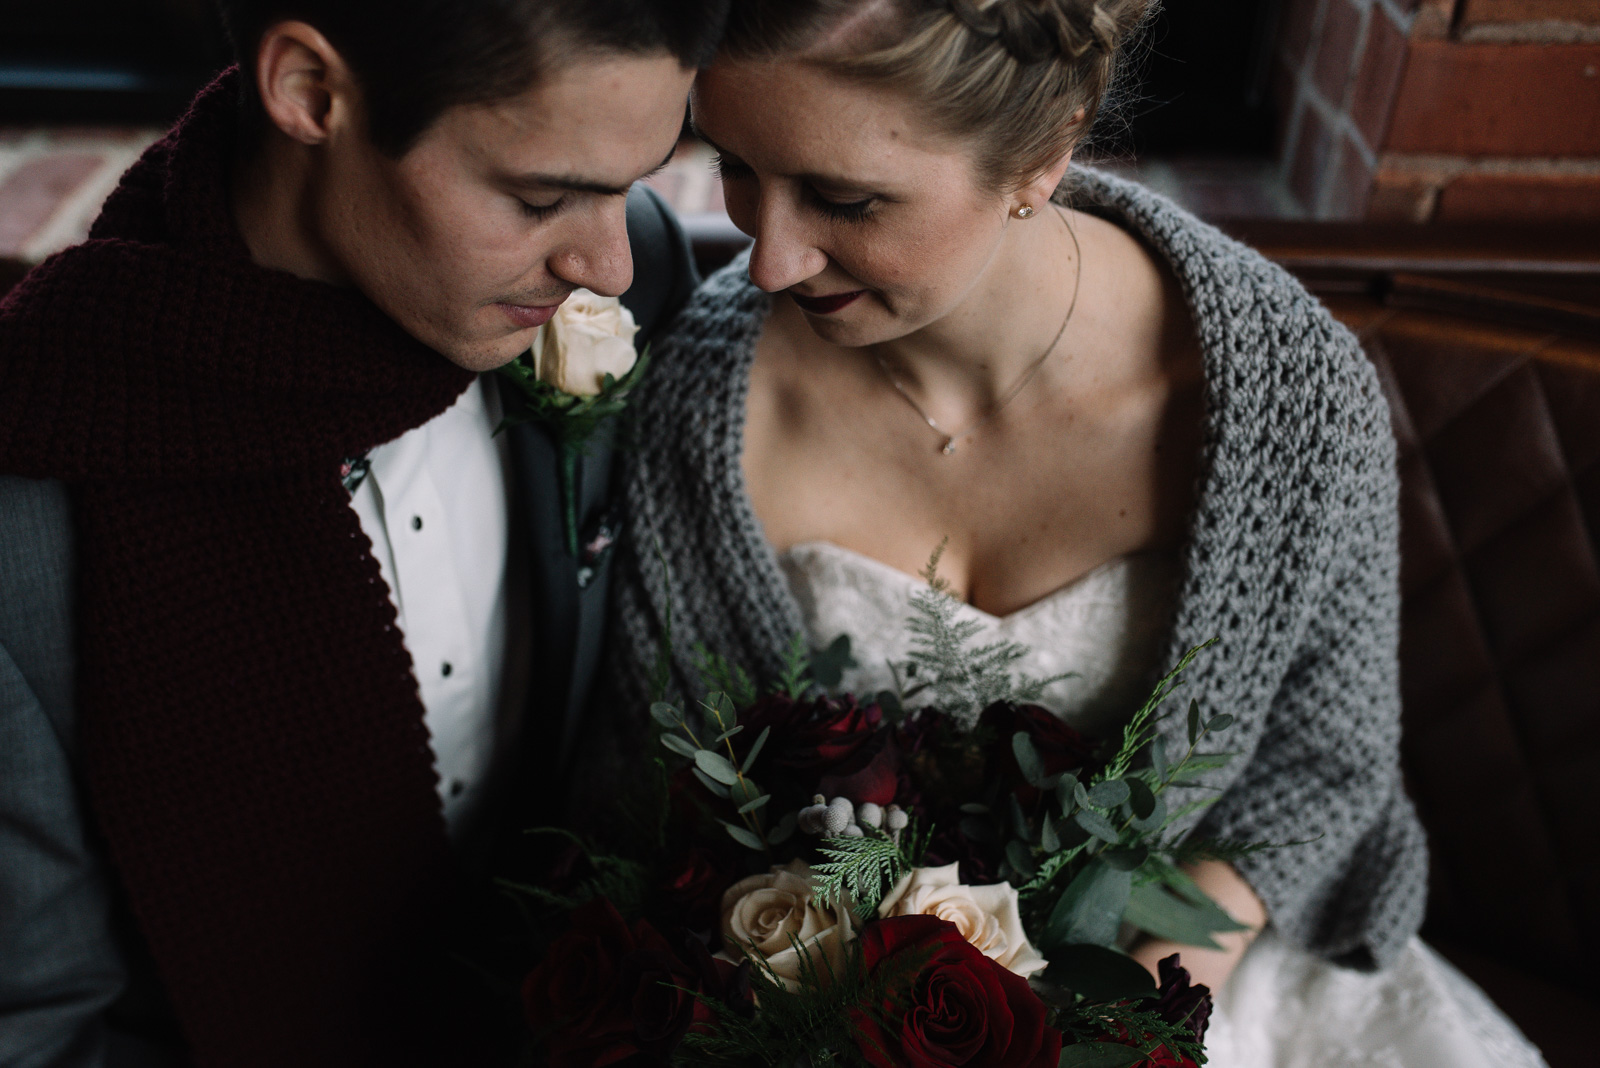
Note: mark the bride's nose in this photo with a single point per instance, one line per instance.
(785, 251)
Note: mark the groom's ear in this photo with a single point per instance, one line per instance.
(306, 88)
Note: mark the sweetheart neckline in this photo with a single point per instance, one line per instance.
(1059, 593)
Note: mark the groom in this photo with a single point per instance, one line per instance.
(282, 627)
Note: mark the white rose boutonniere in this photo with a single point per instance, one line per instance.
(575, 376)
(589, 339)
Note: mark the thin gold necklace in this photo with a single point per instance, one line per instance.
(1010, 395)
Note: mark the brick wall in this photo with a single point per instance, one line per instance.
(1441, 110)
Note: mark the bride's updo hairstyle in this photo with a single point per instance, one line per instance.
(1006, 76)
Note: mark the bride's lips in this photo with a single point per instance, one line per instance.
(526, 315)
(825, 305)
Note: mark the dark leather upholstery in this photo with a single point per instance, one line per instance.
(1499, 432)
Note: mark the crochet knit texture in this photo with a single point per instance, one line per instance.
(251, 731)
(1291, 562)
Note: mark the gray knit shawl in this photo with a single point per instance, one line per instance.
(1291, 562)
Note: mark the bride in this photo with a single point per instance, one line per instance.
(1132, 434)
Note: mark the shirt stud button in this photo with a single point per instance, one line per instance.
(445, 669)
(456, 786)
(416, 522)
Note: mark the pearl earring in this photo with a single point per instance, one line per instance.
(1025, 211)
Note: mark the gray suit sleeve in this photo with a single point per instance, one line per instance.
(60, 965)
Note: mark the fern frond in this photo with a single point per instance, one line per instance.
(859, 870)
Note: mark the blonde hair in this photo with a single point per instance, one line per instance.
(1007, 76)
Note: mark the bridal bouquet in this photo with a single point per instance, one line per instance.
(937, 875)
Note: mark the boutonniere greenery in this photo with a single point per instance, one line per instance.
(577, 375)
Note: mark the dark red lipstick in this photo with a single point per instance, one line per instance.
(825, 305)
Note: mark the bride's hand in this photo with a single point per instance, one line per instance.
(1212, 966)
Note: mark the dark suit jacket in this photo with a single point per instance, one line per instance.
(74, 990)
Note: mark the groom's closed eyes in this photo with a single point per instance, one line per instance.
(543, 195)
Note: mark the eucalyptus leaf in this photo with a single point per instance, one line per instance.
(729, 733)
(744, 791)
(1154, 909)
(717, 766)
(1109, 794)
(1154, 821)
(1028, 758)
(751, 806)
(1220, 722)
(1100, 974)
(1099, 1055)
(666, 715)
(1049, 840)
(1194, 721)
(744, 837)
(1158, 758)
(781, 833)
(1140, 799)
(1079, 794)
(710, 784)
(1019, 819)
(829, 665)
(1065, 789)
(1126, 859)
(1096, 824)
(755, 751)
(1089, 910)
(979, 830)
(1021, 858)
(722, 710)
(679, 745)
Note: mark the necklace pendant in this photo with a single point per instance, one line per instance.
(949, 447)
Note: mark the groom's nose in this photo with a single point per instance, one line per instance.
(596, 255)
(785, 252)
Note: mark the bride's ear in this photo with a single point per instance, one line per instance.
(1043, 186)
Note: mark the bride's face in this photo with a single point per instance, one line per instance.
(871, 223)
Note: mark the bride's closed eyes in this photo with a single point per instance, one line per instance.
(731, 170)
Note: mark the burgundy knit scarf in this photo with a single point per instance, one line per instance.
(251, 730)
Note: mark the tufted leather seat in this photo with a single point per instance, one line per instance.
(1499, 434)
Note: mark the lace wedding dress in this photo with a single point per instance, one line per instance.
(1283, 1007)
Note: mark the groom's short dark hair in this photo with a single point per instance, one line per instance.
(417, 58)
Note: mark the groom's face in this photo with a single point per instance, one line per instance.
(473, 237)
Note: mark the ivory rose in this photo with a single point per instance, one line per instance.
(987, 916)
(588, 337)
(765, 915)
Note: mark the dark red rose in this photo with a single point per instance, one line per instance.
(871, 774)
(832, 739)
(954, 1007)
(691, 893)
(1180, 1003)
(1178, 1000)
(607, 993)
(1060, 747)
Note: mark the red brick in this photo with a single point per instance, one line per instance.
(1400, 197)
(33, 192)
(1336, 48)
(1481, 12)
(1382, 60)
(1541, 197)
(1297, 23)
(1499, 100)
(1350, 185)
(1312, 149)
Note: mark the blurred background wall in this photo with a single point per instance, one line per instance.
(1418, 111)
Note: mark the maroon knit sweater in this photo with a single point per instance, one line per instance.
(251, 731)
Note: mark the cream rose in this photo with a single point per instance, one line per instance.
(764, 916)
(986, 916)
(588, 337)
